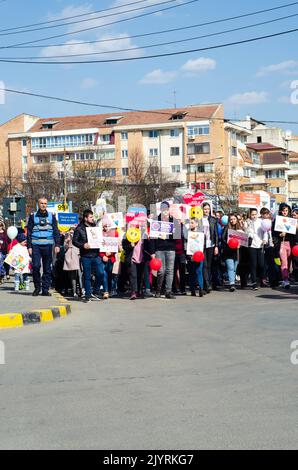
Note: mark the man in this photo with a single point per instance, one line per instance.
(42, 235)
(89, 256)
(165, 249)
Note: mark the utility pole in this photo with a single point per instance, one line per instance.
(64, 177)
(175, 95)
(9, 168)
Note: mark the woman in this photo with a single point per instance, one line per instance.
(283, 243)
(208, 225)
(257, 239)
(230, 256)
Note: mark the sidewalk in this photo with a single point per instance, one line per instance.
(20, 308)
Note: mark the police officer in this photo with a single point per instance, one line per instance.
(43, 234)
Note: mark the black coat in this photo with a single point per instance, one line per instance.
(213, 230)
(80, 238)
(227, 252)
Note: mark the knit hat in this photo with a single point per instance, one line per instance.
(21, 237)
(164, 205)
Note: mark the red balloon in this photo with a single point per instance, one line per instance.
(295, 251)
(155, 264)
(233, 243)
(198, 257)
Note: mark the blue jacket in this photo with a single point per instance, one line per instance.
(42, 229)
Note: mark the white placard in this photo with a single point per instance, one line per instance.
(109, 245)
(285, 224)
(94, 235)
(195, 242)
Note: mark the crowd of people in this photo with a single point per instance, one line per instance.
(78, 270)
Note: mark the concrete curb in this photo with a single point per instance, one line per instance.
(45, 315)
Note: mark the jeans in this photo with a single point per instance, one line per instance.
(195, 275)
(285, 257)
(88, 264)
(232, 268)
(107, 280)
(18, 277)
(167, 269)
(42, 253)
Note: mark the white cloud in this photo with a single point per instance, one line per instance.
(284, 100)
(158, 77)
(286, 67)
(88, 83)
(200, 65)
(249, 97)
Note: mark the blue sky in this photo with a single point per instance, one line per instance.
(252, 79)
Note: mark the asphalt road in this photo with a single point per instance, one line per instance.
(212, 373)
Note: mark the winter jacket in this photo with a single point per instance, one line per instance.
(79, 240)
(227, 252)
(3, 243)
(212, 228)
(71, 256)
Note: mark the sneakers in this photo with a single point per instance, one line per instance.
(286, 285)
(27, 286)
(133, 296)
(16, 286)
(232, 289)
(254, 287)
(95, 297)
(157, 295)
(86, 300)
(46, 293)
(36, 292)
(148, 293)
(105, 296)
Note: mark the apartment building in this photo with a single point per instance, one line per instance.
(14, 151)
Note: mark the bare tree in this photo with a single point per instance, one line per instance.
(227, 193)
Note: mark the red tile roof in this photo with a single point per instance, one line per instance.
(262, 146)
(193, 113)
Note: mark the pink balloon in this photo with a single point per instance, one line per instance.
(266, 225)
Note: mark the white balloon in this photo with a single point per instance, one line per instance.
(12, 232)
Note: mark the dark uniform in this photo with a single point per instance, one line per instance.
(43, 234)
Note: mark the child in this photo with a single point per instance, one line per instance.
(134, 259)
(108, 259)
(72, 263)
(21, 278)
(195, 270)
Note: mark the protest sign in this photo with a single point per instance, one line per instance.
(158, 228)
(18, 259)
(285, 224)
(249, 200)
(109, 245)
(67, 220)
(115, 219)
(195, 242)
(194, 199)
(238, 235)
(94, 236)
(136, 216)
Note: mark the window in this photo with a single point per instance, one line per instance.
(277, 190)
(25, 160)
(177, 116)
(174, 151)
(176, 169)
(153, 170)
(198, 148)
(174, 132)
(56, 158)
(275, 174)
(234, 151)
(113, 120)
(255, 157)
(124, 153)
(63, 141)
(233, 135)
(207, 168)
(40, 159)
(24, 143)
(192, 131)
(243, 138)
(153, 134)
(105, 172)
(124, 136)
(106, 138)
(202, 186)
(259, 139)
(294, 164)
(153, 152)
(124, 171)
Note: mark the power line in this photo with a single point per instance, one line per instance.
(178, 41)
(74, 16)
(88, 19)
(107, 24)
(120, 108)
(168, 54)
(221, 20)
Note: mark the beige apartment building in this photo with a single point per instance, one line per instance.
(191, 145)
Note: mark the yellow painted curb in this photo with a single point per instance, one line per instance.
(11, 320)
